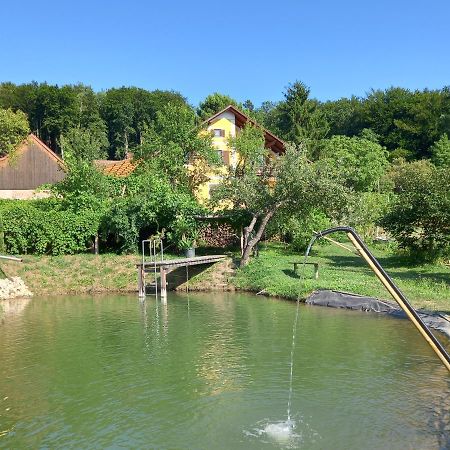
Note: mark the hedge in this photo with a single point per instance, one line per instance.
(39, 227)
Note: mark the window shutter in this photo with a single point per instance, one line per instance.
(226, 157)
(222, 133)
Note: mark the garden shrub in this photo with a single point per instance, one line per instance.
(420, 215)
(365, 210)
(299, 230)
(37, 227)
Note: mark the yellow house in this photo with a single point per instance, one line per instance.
(223, 125)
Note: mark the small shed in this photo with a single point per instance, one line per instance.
(31, 166)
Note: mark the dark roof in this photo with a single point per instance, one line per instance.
(273, 142)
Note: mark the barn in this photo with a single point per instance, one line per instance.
(32, 165)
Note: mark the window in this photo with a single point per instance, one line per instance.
(218, 132)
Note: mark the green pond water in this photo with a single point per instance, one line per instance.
(211, 371)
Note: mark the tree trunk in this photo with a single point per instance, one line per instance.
(247, 231)
(126, 142)
(249, 245)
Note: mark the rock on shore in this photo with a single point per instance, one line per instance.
(13, 288)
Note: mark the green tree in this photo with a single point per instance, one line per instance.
(117, 110)
(344, 116)
(84, 144)
(13, 130)
(440, 152)
(129, 112)
(52, 109)
(406, 119)
(300, 119)
(248, 105)
(268, 115)
(173, 140)
(361, 162)
(214, 103)
(420, 215)
(262, 186)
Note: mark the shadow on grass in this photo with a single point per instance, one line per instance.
(290, 273)
(298, 276)
(393, 266)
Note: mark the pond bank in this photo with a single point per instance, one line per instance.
(13, 288)
(426, 286)
(272, 274)
(354, 302)
(75, 274)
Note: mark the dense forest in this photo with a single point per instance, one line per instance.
(406, 122)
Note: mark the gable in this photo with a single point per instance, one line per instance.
(239, 120)
(33, 165)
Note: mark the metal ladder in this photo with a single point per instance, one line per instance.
(152, 244)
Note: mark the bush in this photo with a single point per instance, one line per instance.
(420, 215)
(299, 230)
(153, 204)
(37, 227)
(366, 209)
(2, 235)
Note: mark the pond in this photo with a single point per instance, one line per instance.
(212, 371)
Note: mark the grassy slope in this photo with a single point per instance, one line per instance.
(46, 275)
(426, 286)
(77, 274)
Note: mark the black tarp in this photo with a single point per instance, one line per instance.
(336, 299)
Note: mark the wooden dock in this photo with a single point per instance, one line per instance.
(165, 266)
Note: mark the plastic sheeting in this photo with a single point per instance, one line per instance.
(336, 299)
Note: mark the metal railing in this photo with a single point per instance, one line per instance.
(153, 245)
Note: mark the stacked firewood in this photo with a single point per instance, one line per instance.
(219, 235)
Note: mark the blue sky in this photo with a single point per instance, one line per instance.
(248, 49)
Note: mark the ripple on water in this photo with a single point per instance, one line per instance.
(290, 433)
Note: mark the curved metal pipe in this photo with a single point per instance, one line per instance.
(396, 293)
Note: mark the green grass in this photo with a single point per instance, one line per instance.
(70, 274)
(77, 274)
(426, 286)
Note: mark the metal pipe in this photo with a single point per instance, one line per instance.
(11, 258)
(396, 293)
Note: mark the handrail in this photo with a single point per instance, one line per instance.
(396, 293)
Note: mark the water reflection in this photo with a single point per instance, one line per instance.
(12, 308)
(123, 373)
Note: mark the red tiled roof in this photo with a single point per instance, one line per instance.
(121, 168)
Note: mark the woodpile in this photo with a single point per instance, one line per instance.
(219, 235)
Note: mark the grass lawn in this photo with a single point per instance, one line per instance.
(426, 286)
(77, 274)
(84, 273)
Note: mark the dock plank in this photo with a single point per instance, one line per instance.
(181, 262)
